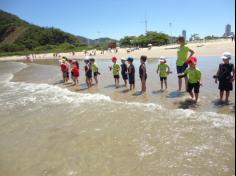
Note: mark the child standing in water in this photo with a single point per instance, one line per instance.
(143, 73)
(164, 70)
(116, 71)
(226, 76)
(75, 72)
(64, 70)
(95, 70)
(182, 57)
(194, 78)
(88, 72)
(131, 73)
(124, 70)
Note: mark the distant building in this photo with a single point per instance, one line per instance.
(184, 34)
(194, 37)
(227, 31)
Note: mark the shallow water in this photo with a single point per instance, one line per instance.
(46, 129)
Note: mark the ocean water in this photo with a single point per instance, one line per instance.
(48, 129)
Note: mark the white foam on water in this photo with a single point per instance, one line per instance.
(23, 94)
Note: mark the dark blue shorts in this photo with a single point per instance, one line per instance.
(181, 69)
(193, 86)
(163, 78)
(131, 80)
(124, 76)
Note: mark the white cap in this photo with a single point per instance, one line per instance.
(86, 58)
(162, 57)
(226, 55)
(123, 58)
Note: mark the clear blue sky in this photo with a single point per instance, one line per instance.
(117, 18)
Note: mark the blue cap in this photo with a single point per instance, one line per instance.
(130, 59)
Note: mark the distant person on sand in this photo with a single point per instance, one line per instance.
(182, 56)
(75, 72)
(143, 73)
(95, 70)
(88, 72)
(116, 71)
(226, 76)
(163, 70)
(194, 76)
(131, 73)
(124, 70)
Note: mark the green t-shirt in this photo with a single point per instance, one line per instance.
(116, 69)
(163, 70)
(95, 67)
(182, 55)
(194, 75)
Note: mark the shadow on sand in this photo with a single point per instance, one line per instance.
(138, 93)
(176, 94)
(187, 104)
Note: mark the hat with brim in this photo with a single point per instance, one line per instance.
(226, 56)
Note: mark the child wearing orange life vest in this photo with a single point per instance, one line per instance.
(64, 70)
(75, 72)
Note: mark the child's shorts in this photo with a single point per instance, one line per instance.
(116, 76)
(124, 76)
(131, 80)
(163, 78)
(96, 74)
(225, 86)
(195, 86)
(181, 69)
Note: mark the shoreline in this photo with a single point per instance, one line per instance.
(202, 49)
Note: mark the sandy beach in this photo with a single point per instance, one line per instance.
(209, 48)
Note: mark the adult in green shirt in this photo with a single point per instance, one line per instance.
(182, 57)
(194, 79)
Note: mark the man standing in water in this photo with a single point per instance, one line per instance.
(182, 57)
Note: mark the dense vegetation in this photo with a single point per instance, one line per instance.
(19, 37)
(153, 38)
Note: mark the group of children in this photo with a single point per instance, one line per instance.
(186, 69)
(70, 67)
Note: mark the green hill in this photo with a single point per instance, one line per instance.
(18, 37)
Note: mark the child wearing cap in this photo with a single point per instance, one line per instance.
(88, 72)
(131, 73)
(226, 76)
(64, 70)
(194, 78)
(124, 70)
(75, 72)
(95, 70)
(163, 70)
(143, 73)
(182, 56)
(116, 70)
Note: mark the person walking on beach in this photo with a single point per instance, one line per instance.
(124, 70)
(116, 71)
(88, 72)
(163, 70)
(95, 70)
(194, 76)
(182, 56)
(143, 73)
(131, 73)
(226, 76)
